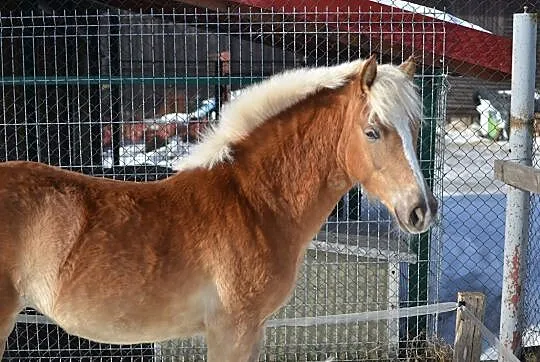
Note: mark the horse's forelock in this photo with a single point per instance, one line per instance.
(393, 98)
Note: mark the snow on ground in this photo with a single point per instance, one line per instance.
(468, 162)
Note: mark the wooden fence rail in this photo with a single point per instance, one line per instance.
(514, 174)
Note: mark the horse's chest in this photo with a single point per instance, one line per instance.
(266, 287)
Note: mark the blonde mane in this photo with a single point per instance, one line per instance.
(393, 99)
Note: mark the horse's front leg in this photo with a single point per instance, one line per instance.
(10, 306)
(234, 341)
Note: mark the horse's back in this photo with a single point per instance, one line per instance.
(46, 213)
(42, 213)
(33, 196)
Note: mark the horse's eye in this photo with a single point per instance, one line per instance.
(372, 134)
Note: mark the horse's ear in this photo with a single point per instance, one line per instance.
(409, 67)
(368, 72)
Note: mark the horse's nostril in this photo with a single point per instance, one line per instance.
(417, 217)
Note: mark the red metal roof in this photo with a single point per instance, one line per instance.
(465, 51)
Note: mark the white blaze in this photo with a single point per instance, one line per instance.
(405, 133)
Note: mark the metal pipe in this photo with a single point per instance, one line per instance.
(517, 203)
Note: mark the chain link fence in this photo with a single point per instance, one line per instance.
(531, 299)
(475, 203)
(121, 89)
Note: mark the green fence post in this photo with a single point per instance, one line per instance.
(418, 283)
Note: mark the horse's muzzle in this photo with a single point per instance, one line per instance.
(414, 213)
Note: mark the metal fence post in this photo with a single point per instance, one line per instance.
(517, 203)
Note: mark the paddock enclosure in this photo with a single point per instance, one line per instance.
(120, 89)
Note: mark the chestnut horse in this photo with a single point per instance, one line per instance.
(213, 250)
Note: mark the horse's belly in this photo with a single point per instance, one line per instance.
(131, 330)
(130, 320)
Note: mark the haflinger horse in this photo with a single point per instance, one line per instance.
(213, 250)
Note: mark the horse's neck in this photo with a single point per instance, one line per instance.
(288, 166)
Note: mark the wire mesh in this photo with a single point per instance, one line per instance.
(123, 93)
(474, 203)
(473, 216)
(531, 297)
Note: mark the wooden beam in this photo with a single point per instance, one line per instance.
(468, 342)
(209, 4)
(514, 174)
